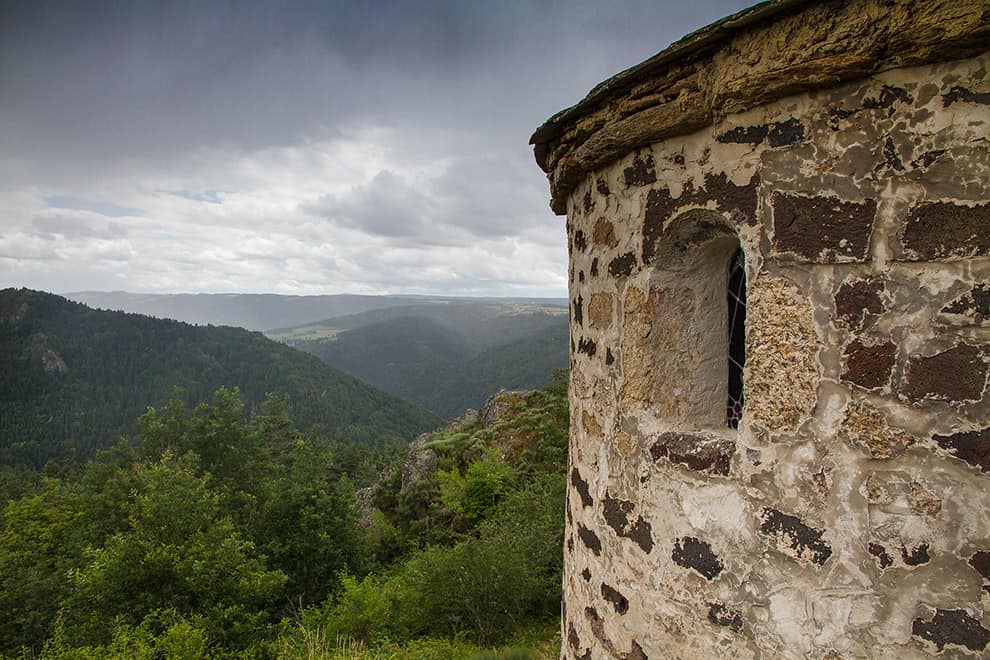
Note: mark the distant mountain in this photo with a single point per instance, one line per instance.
(253, 311)
(74, 379)
(444, 356)
(261, 311)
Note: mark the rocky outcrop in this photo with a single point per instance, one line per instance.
(496, 406)
(421, 460)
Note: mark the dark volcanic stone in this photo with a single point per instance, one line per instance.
(917, 556)
(952, 627)
(803, 539)
(974, 303)
(971, 446)
(958, 374)
(590, 540)
(745, 135)
(697, 451)
(691, 552)
(940, 229)
(981, 562)
(578, 310)
(616, 514)
(785, 132)
(581, 486)
(880, 553)
(587, 346)
(735, 203)
(721, 615)
(636, 652)
(958, 93)
(776, 134)
(888, 95)
(822, 229)
(580, 241)
(891, 157)
(858, 302)
(619, 602)
(869, 366)
(622, 265)
(642, 172)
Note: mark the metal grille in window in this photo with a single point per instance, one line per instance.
(737, 337)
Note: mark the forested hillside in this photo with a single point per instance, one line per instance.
(222, 536)
(443, 357)
(75, 379)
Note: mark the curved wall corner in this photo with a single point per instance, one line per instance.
(849, 514)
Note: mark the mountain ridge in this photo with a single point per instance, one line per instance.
(77, 375)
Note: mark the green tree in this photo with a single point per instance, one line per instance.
(179, 553)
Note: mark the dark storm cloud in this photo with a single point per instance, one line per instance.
(138, 77)
(349, 143)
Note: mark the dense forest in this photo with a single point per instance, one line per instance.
(76, 379)
(444, 357)
(220, 534)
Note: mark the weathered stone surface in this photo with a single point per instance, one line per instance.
(958, 374)
(600, 310)
(794, 538)
(698, 451)
(691, 552)
(577, 310)
(924, 501)
(971, 446)
(853, 419)
(869, 365)
(603, 234)
(782, 350)
(955, 627)
(822, 229)
(859, 302)
(868, 426)
(942, 230)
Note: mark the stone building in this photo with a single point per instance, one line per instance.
(779, 237)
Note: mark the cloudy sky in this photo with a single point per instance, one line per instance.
(298, 147)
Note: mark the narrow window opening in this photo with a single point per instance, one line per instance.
(737, 337)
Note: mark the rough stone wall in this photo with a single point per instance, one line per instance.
(849, 515)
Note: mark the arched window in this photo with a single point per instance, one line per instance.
(737, 337)
(691, 362)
